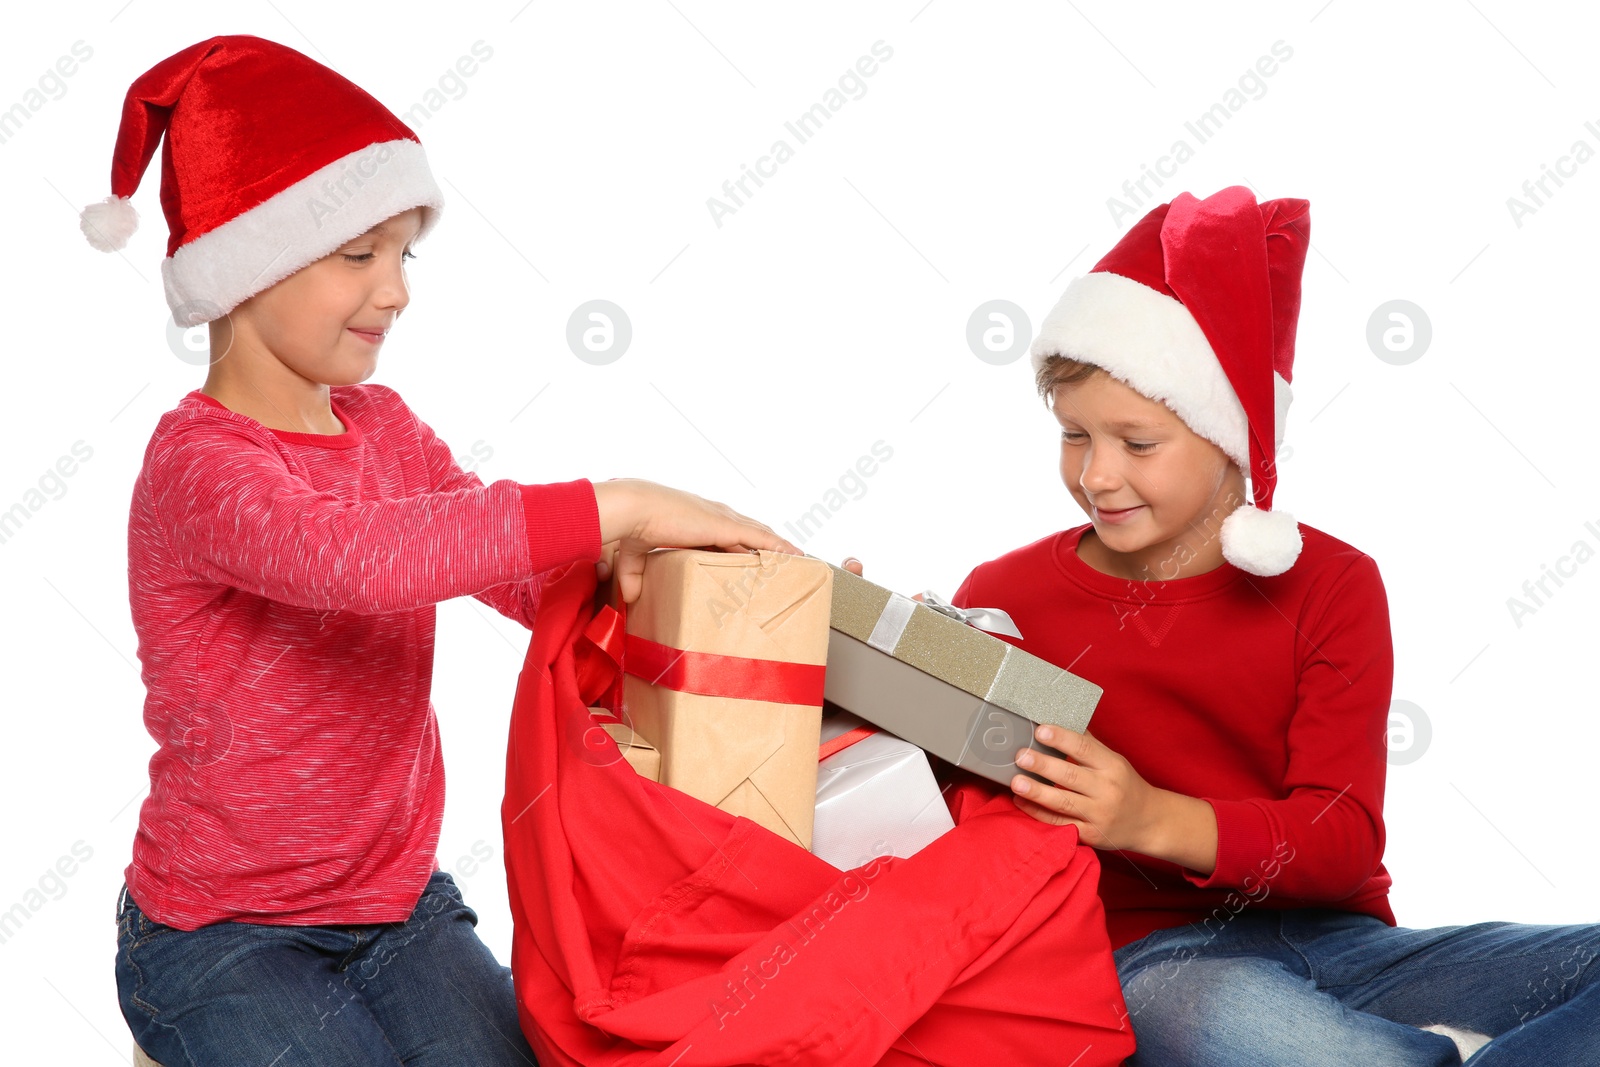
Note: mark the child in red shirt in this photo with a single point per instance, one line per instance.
(1234, 775)
(290, 532)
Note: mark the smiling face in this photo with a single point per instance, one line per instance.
(1156, 491)
(326, 322)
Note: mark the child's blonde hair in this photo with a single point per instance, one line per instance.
(1063, 370)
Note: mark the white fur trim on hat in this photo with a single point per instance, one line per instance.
(1151, 342)
(210, 275)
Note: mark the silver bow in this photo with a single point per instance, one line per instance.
(990, 620)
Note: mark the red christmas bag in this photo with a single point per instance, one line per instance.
(652, 928)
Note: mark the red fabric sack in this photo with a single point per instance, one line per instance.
(652, 928)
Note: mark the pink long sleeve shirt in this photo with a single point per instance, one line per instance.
(282, 589)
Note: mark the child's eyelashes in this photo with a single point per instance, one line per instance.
(1078, 437)
(365, 256)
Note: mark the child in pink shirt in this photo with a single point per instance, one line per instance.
(290, 532)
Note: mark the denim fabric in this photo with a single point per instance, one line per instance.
(423, 992)
(1318, 988)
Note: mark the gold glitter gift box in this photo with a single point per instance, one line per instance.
(927, 676)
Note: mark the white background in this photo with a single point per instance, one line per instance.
(829, 312)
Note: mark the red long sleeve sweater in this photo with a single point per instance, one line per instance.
(1266, 697)
(282, 589)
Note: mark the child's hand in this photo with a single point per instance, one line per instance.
(1100, 793)
(637, 516)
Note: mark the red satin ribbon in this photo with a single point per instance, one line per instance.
(844, 741)
(599, 660)
(609, 652)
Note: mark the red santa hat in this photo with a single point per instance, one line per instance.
(1196, 307)
(271, 161)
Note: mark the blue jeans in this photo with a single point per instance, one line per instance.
(1317, 988)
(423, 992)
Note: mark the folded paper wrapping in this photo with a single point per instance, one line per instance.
(730, 623)
(876, 797)
(955, 691)
(640, 754)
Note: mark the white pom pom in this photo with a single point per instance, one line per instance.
(1260, 542)
(110, 223)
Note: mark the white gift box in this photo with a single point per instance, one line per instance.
(877, 797)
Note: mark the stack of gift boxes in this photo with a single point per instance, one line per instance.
(808, 699)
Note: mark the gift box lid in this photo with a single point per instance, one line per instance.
(943, 646)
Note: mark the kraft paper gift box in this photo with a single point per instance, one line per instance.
(925, 675)
(723, 675)
(876, 797)
(639, 753)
